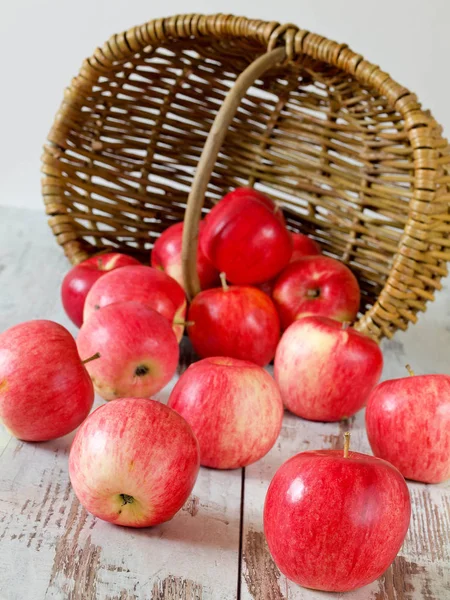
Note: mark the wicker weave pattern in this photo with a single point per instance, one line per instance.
(348, 152)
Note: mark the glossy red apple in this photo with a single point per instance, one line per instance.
(142, 284)
(304, 246)
(326, 371)
(408, 424)
(234, 408)
(134, 462)
(316, 285)
(247, 192)
(244, 238)
(335, 523)
(45, 391)
(79, 280)
(237, 321)
(138, 350)
(166, 255)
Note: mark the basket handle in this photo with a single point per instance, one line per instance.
(208, 159)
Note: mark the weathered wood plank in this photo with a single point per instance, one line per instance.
(422, 569)
(51, 547)
(44, 530)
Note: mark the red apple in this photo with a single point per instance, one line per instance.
(247, 192)
(408, 424)
(237, 321)
(304, 246)
(79, 280)
(166, 255)
(45, 391)
(326, 371)
(142, 284)
(244, 238)
(134, 462)
(316, 285)
(333, 522)
(138, 350)
(234, 408)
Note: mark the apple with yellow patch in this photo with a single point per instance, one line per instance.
(326, 370)
(138, 350)
(134, 462)
(151, 287)
(234, 408)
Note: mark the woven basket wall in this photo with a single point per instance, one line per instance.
(348, 153)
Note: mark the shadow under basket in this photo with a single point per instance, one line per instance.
(167, 117)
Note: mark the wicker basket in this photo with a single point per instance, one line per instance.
(197, 105)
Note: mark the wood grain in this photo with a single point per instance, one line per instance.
(51, 548)
(78, 557)
(422, 569)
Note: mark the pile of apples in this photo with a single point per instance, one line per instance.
(267, 294)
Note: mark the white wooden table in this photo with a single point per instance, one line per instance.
(50, 547)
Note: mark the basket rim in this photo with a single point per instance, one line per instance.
(429, 147)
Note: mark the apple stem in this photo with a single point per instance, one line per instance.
(312, 293)
(346, 443)
(345, 325)
(410, 371)
(184, 323)
(223, 279)
(100, 263)
(93, 357)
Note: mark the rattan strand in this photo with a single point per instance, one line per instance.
(349, 153)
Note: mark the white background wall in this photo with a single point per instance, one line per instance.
(43, 42)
